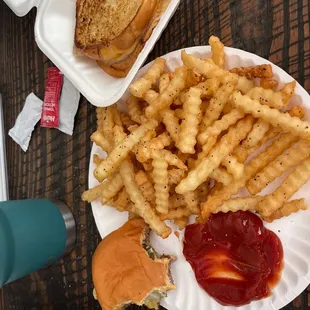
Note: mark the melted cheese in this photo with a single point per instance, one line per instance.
(114, 53)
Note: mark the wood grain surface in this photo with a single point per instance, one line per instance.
(56, 165)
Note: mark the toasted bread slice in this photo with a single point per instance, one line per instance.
(122, 67)
(98, 22)
(114, 33)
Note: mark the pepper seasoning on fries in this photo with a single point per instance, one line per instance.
(196, 124)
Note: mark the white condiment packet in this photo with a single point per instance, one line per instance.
(68, 105)
(26, 120)
(32, 110)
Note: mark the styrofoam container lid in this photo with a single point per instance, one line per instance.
(54, 34)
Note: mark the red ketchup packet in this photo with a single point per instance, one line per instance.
(50, 110)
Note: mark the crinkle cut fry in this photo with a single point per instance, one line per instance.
(287, 209)
(146, 186)
(99, 119)
(166, 98)
(176, 214)
(203, 191)
(189, 126)
(268, 83)
(175, 176)
(142, 85)
(106, 190)
(274, 99)
(297, 111)
(251, 203)
(98, 138)
(120, 152)
(239, 204)
(242, 153)
(220, 125)
(224, 147)
(97, 159)
(273, 116)
(293, 182)
(169, 119)
(257, 133)
(144, 150)
(141, 205)
(149, 135)
(218, 54)
(122, 202)
(113, 187)
(209, 87)
(173, 159)
(191, 200)
(233, 166)
(107, 124)
(116, 115)
(181, 223)
(253, 72)
(176, 201)
(161, 182)
(172, 124)
(164, 81)
(289, 158)
(255, 165)
(221, 175)
(134, 109)
(261, 127)
(126, 120)
(209, 69)
(216, 106)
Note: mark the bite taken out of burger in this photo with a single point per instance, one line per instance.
(127, 270)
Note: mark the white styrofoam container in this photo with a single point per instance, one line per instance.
(3, 168)
(54, 34)
(294, 231)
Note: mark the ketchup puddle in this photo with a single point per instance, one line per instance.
(234, 257)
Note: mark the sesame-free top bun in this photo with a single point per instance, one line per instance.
(123, 272)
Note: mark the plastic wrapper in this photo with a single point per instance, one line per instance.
(68, 105)
(26, 120)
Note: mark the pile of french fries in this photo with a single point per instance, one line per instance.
(184, 146)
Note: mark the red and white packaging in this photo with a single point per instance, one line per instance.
(56, 111)
(50, 110)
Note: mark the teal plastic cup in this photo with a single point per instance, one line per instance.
(33, 234)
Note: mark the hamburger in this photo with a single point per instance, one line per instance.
(127, 270)
(113, 32)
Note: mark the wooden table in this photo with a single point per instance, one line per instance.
(56, 165)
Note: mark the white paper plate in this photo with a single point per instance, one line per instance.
(294, 231)
(54, 34)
